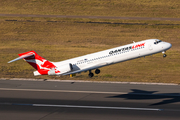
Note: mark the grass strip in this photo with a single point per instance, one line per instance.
(69, 38)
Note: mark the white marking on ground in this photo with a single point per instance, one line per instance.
(79, 106)
(97, 107)
(52, 80)
(95, 92)
(70, 91)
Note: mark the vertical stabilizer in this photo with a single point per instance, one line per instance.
(39, 63)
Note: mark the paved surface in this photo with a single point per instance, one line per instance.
(45, 100)
(94, 17)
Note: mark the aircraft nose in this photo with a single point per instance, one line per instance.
(167, 45)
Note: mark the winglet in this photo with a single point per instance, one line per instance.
(23, 56)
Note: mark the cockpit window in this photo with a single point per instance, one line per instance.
(157, 41)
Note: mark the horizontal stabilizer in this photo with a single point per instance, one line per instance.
(23, 56)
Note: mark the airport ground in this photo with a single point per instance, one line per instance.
(71, 100)
(59, 39)
(127, 8)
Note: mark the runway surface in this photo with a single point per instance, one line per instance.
(45, 100)
(91, 17)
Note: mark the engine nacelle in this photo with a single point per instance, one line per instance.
(60, 70)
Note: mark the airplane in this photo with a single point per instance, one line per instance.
(96, 60)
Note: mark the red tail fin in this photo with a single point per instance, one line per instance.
(40, 64)
(37, 61)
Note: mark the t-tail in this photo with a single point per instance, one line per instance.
(42, 65)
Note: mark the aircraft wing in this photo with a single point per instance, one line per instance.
(87, 69)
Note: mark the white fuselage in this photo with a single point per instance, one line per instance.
(114, 55)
